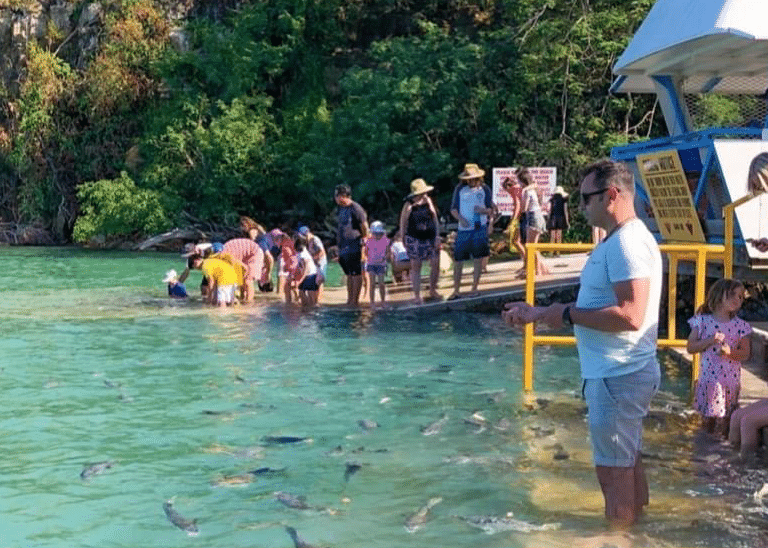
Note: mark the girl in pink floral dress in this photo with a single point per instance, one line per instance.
(723, 340)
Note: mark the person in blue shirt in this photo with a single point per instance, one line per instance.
(176, 289)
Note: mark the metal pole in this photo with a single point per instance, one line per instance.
(528, 335)
(672, 297)
(701, 280)
(728, 241)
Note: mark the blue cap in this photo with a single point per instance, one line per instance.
(217, 247)
(303, 230)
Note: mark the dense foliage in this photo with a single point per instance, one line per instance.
(274, 102)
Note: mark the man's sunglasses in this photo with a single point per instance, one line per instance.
(585, 196)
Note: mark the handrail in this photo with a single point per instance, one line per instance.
(699, 253)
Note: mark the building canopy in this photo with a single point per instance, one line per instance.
(718, 46)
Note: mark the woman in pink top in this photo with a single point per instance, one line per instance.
(377, 252)
(251, 255)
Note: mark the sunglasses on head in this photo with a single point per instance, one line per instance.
(585, 196)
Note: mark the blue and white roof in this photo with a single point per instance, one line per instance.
(718, 46)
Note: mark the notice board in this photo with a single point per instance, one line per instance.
(667, 188)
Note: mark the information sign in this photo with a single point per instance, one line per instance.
(545, 177)
(667, 188)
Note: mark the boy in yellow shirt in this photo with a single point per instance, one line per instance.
(222, 279)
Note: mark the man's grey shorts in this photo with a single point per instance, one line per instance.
(616, 407)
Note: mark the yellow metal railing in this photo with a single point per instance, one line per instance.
(698, 253)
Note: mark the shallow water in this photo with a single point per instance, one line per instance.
(96, 364)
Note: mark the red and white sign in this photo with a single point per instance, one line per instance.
(545, 177)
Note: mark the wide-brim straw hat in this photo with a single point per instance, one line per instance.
(471, 171)
(561, 191)
(419, 186)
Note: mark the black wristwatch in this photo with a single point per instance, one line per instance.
(567, 316)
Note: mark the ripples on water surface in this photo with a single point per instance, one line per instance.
(97, 365)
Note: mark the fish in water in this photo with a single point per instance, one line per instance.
(300, 503)
(190, 526)
(367, 424)
(266, 472)
(298, 542)
(280, 440)
(248, 477)
(492, 460)
(97, 468)
(351, 469)
(242, 479)
(494, 524)
(476, 419)
(316, 403)
(339, 451)
(417, 520)
(292, 501)
(436, 427)
(560, 453)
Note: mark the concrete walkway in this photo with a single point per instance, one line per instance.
(497, 285)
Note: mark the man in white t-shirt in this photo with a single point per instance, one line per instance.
(615, 321)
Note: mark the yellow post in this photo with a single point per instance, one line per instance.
(529, 333)
(728, 241)
(672, 296)
(701, 280)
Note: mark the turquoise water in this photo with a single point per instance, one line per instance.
(97, 364)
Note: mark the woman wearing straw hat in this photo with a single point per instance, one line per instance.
(419, 225)
(558, 216)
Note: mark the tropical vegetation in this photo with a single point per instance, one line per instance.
(263, 106)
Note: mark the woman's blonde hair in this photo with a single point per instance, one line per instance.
(717, 293)
(247, 224)
(757, 181)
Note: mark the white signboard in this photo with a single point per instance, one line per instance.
(546, 177)
(752, 217)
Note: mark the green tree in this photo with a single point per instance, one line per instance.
(117, 208)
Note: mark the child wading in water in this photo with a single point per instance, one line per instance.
(723, 340)
(377, 251)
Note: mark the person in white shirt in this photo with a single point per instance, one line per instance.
(473, 208)
(615, 320)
